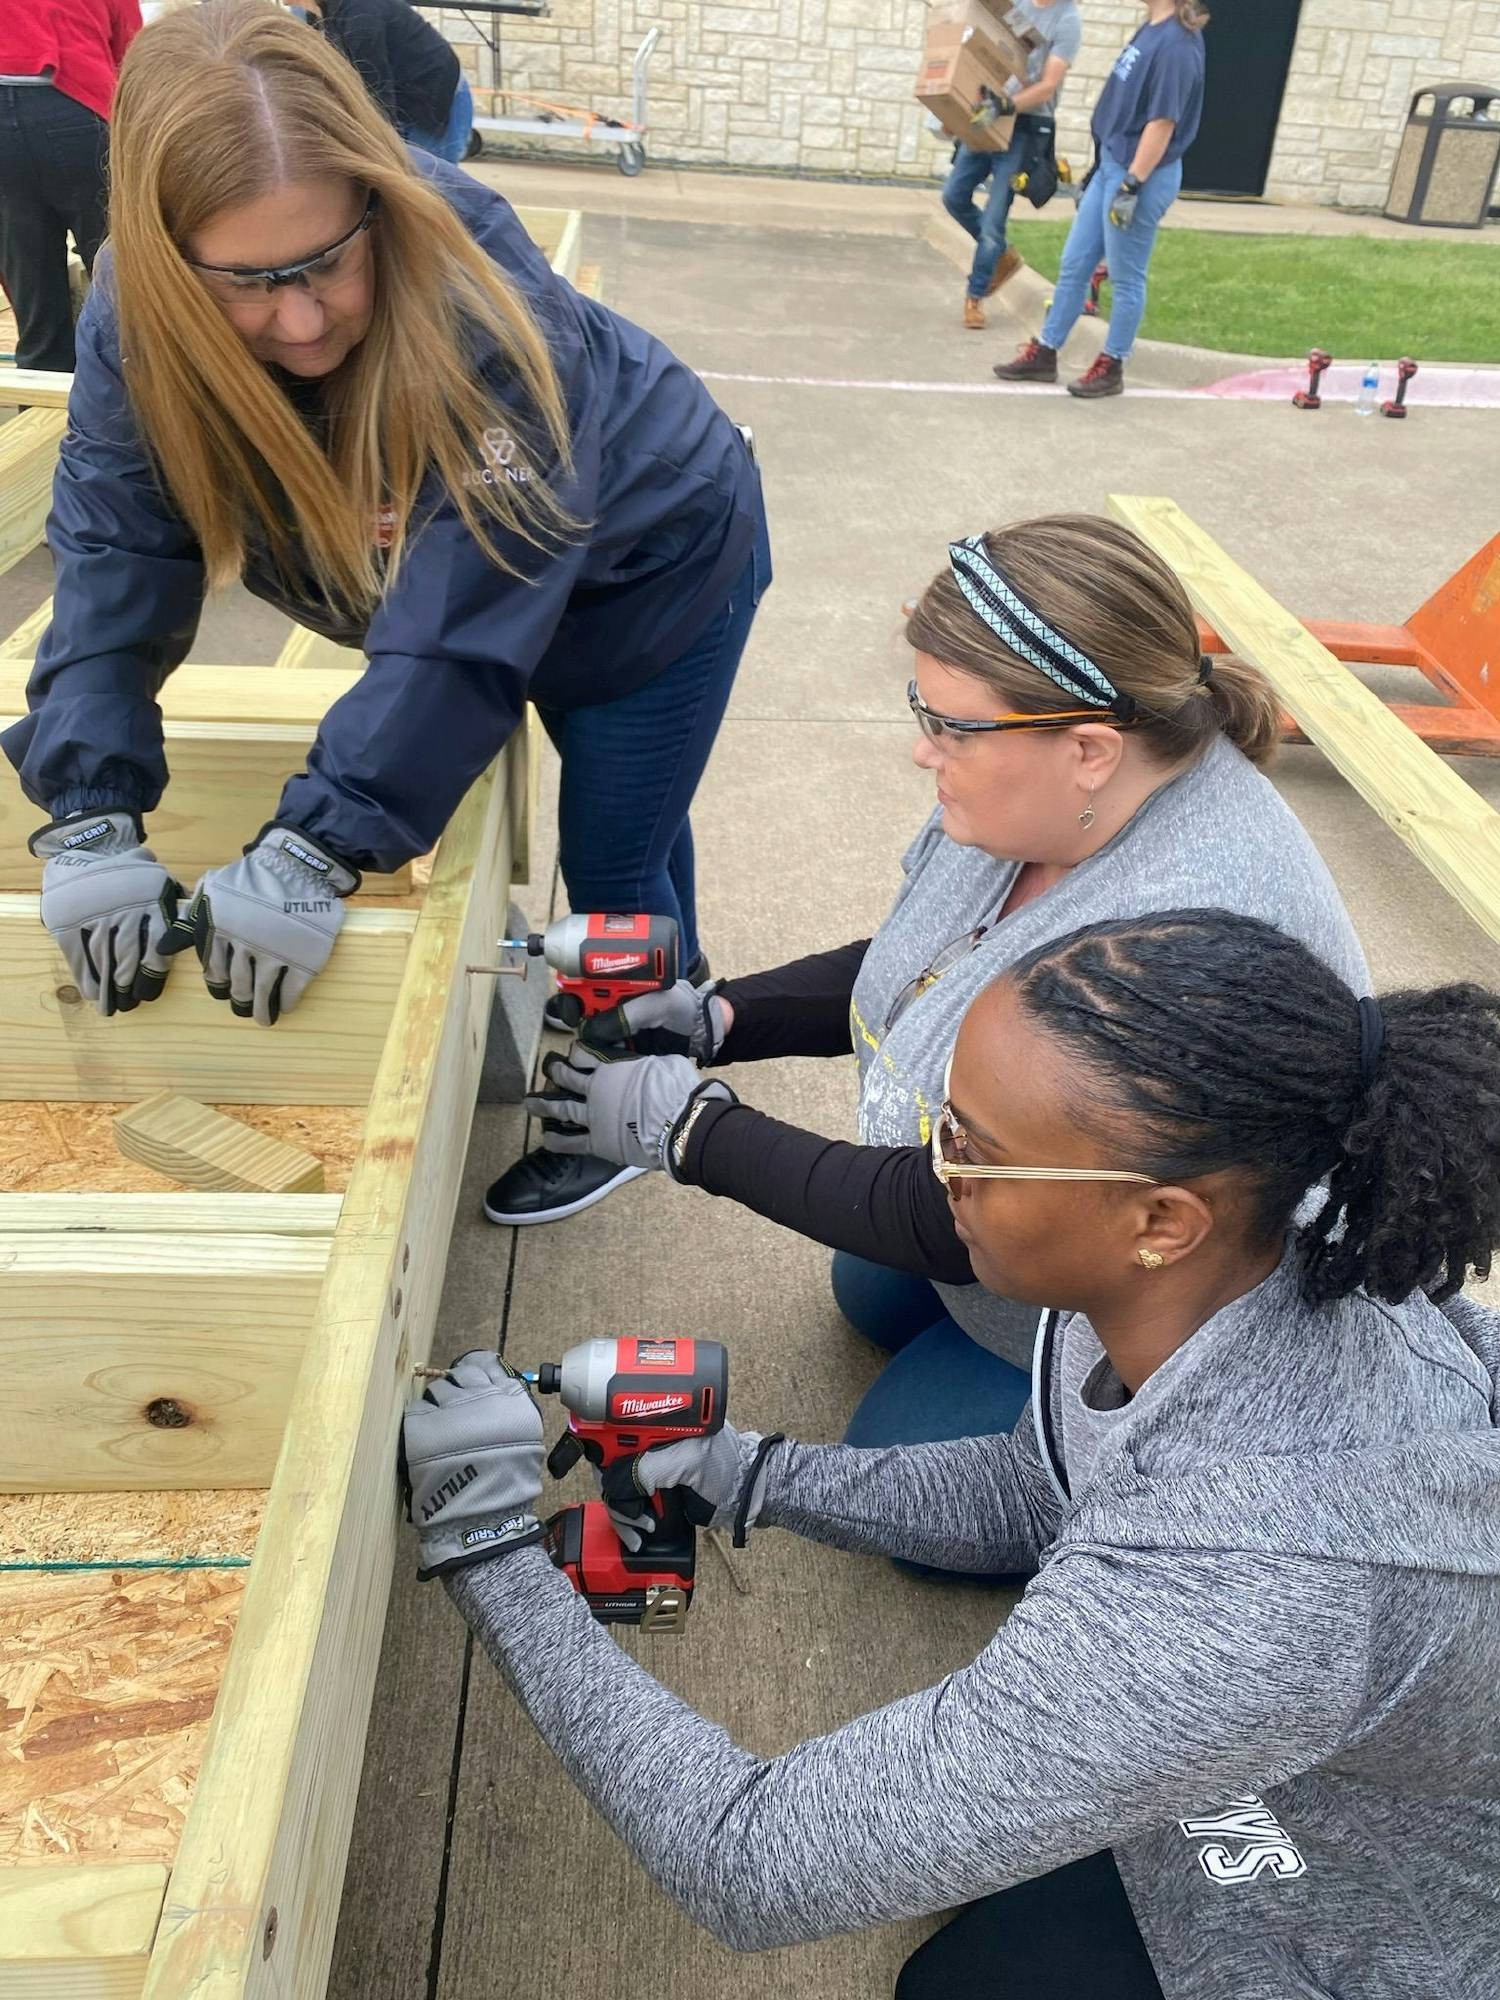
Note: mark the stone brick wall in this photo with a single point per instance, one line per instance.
(824, 86)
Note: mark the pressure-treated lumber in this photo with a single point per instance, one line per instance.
(309, 649)
(170, 1214)
(37, 388)
(79, 1933)
(202, 1148)
(558, 234)
(28, 457)
(269, 1827)
(226, 784)
(51, 1148)
(1453, 831)
(142, 1360)
(23, 642)
(209, 694)
(54, 1044)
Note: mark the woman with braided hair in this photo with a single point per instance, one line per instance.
(1238, 1735)
(1088, 764)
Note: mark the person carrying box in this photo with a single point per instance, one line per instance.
(1057, 24)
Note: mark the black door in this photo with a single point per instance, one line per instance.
(1249, 48)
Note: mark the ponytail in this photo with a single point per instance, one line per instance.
(1227, 1047)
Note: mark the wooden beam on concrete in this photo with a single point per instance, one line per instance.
(226, 784)
(203, 1148)
(269, 1827)
(36, 388)
(135, 1360)
(22, 644)
(170, 1214)
(28, 459)
(327, 1051)
(1453, 831)
(81, 1931)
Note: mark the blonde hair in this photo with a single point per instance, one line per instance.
(1117, 601)
(218, 106)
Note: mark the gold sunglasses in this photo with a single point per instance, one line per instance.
(950, 1141)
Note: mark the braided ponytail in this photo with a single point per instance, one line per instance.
(1214, 1043)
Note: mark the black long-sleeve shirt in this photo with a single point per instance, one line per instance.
(880, 1202)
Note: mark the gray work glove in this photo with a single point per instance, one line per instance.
(685, 1020)
(471, 1464)
(1122, 208)
(714, 1470)
(109, 905)
(265, 924)
(625, 1110)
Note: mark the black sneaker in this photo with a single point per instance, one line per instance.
(563, 1013)
(546, 1187)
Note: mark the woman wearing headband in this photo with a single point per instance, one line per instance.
(1088, 766)
(1237, 1737)
(343, 375)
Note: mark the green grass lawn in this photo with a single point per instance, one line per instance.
(1360, 297)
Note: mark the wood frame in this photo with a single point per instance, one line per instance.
(1450, 828)
(249, 1904)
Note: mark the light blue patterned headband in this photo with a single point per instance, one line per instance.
(1028, 634)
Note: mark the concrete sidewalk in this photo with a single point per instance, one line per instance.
(477, 1870)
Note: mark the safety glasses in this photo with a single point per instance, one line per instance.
(950, 955)
(237, 284)
(947, 729)
(950, 1145)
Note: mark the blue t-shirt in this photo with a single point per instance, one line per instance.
(1159, 74)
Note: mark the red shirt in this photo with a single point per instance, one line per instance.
(80, 42)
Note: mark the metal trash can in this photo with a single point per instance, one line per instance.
(1449, 155)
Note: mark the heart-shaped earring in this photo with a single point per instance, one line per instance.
(1087, 817)
(1152, 1259)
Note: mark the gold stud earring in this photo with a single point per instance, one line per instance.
(1152, 1259)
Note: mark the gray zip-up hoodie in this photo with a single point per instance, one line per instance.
(1260, 1662)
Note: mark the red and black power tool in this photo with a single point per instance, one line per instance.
(622, 1397)
(605, 958)
(1318, 364)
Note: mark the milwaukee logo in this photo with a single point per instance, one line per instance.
(615, 961)
(651, 1406)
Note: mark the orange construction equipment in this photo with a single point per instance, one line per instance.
(1453, 641)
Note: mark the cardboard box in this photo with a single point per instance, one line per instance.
(1010, 36)
(951, 84)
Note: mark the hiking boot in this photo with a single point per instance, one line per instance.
(546, 1187)
(1105, 378)
(1034, 363)
(973, 314)
(1010, 263)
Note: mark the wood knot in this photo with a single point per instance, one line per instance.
(168, 1414)
(68, 996)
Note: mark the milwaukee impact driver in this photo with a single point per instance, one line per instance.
(623, 1396)
(604, 959)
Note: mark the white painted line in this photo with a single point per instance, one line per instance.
(1440, 395)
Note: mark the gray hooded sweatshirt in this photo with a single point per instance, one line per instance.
(1260, 1662)
(1219, 837)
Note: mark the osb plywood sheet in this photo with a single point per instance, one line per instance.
(204, 1525)
(48, 1148)
(107, 1683)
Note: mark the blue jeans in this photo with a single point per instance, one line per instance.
(629, 771)
(1127, 252)
(986, 225)
(938, 1384)
(452, 142)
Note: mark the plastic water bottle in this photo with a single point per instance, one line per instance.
(1369, 392)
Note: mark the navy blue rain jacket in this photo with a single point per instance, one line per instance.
(456, 645)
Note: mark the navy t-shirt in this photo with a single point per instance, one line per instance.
(1159, 74)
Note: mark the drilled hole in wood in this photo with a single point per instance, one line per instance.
(168, 1414)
